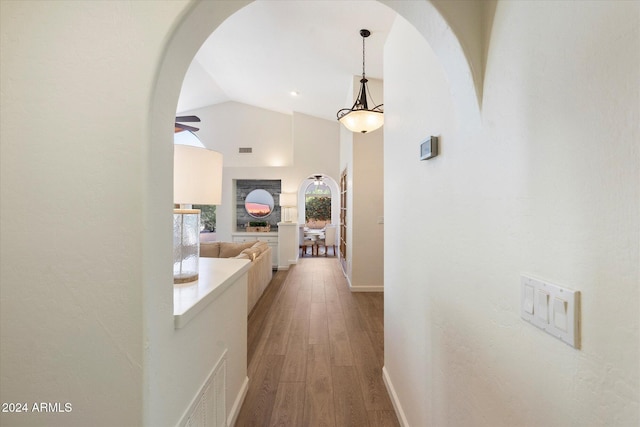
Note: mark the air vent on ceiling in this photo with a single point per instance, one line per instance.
(245, 150)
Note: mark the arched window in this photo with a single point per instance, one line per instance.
(317, 204)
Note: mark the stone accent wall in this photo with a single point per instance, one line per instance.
(244, 187)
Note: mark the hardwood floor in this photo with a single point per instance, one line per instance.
(315, 353)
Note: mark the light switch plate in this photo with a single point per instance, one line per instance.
(556, 310)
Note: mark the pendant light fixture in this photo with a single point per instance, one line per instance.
(359, 118)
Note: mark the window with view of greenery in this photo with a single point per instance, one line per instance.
(207, 217)
(318, 203)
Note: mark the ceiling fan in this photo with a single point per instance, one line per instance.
(179, 127)
(317, 179)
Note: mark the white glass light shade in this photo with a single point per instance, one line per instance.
(362, 121)
(197, 175)
(288, 200)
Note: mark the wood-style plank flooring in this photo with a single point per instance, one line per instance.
(315, 353)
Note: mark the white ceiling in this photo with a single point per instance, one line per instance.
(268, 49)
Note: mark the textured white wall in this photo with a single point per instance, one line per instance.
(76, 83)
(86, 289)
(545, 183)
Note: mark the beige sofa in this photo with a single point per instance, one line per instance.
(260, 272)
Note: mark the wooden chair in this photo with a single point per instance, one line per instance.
(330, 239)
(305, 242)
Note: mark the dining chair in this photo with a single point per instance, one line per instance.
(330, 239)
(305, 242)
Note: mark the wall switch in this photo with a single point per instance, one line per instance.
(560, 314)
(541, 306)
(554, 309)
(527, 304)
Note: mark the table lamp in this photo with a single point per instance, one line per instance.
(287, 200)
(197, 179)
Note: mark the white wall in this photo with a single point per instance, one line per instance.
(85, 312)
(529, 188)
(367, 271)
(226, 127)
(86, 139)
(362, 157)
(312, 143)
(193, 351)
(317, 148)
(76, 83)
(316, 145)
(85, 164)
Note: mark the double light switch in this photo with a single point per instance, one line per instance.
(551, 308)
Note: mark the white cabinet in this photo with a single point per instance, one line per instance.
(270, 237)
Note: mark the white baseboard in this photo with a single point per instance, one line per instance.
(376, 288)
(286, 267)
(366, 288)
(235, 409)
(394, 398)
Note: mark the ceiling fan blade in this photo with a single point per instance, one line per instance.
(179, 127)
(187, 119)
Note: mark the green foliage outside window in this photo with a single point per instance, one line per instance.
(207, 217)
(318, 208)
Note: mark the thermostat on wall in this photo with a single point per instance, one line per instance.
(429, 148)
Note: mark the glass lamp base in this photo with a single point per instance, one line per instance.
(184, 278)
(186, 245)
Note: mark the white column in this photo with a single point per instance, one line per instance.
(287, 244)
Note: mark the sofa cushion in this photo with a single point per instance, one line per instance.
(210, 249)
(230, 250)
(253, 252)
(242, 255)
(260, 246)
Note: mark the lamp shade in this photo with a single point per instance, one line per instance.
(288, 200)
(197, 176)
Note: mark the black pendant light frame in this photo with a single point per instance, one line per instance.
(361, 101)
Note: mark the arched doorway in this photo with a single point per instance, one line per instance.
(327, 182)
(190, 31)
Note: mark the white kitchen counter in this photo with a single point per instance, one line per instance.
(215, 276)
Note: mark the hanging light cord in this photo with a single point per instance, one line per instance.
(363, 74)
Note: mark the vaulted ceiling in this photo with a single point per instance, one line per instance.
(269, 49)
